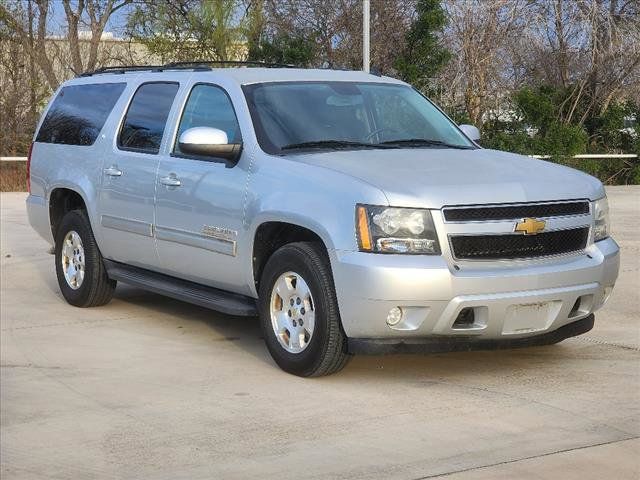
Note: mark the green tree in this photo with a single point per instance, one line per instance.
(192, 29)
(424, 54)
(284, 48)
(536, 126)
(539, 125)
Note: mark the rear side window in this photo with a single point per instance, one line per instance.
(144, 124)
(78, 113)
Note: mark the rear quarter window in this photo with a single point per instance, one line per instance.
(78, 113)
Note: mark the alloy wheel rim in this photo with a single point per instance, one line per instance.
(73, 260)
(292, 312)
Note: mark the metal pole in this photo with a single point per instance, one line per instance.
(366, 7)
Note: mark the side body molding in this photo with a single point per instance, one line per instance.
(198, 240)
(127, 225)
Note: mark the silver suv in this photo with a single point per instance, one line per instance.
(345, 209)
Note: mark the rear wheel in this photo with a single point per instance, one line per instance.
(299, 312)
(81, 274)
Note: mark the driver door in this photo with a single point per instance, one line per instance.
(199, 199)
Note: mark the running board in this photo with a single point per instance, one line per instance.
(208, 297)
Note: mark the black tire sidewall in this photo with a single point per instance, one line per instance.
(77, 221)
(284, 260)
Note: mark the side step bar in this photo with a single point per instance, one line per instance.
(208, 297)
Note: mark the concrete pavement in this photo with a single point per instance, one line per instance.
(148, 387)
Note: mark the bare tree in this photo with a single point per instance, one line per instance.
(30, 26)
(590, 47)
(34, 60)
(614, 48)
(15, 97)
(478, 36)
(336, 28)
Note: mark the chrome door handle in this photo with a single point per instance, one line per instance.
(170, 181)
(113, 171)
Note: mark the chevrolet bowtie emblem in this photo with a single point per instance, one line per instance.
(530, 226)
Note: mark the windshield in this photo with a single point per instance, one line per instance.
(347, 115)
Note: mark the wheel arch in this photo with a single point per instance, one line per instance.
(63, 199)
(269, 235)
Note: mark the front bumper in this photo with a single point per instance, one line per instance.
(510, 299)
(383, 346)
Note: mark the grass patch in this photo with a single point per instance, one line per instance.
(13, 176)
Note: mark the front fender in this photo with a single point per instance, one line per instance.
(312, 197)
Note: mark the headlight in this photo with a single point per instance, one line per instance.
(601, 219)
(396, 230)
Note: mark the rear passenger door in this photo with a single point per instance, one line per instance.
(199, 199)
(128, 177)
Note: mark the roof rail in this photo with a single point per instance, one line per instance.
(197, 65)
(123, 69)
(206, 63)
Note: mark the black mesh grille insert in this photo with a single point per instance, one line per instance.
(508, 212)
(486, 247)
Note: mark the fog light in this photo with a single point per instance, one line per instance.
(394, 316)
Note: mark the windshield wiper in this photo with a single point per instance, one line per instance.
(333, 144)
(423, 142)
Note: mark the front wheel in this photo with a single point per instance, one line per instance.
(299, 312)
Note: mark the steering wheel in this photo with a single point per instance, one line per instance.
(380, 130)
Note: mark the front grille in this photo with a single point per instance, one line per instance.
(509, 212)
(509, 246)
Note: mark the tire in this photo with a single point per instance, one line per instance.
(325, 351)
(95, 288)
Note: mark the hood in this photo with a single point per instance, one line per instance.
(433, 178)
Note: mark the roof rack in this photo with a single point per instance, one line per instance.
(248, 63)
(197, 65)
(123, 69)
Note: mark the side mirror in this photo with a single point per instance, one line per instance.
(470, 131)
(209, 142)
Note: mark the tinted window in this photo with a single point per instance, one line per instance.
(350, 114)
(146, 118)
(78, 113)
(209, 106)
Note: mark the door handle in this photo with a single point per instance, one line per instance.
(170, 181)
(113, 171)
